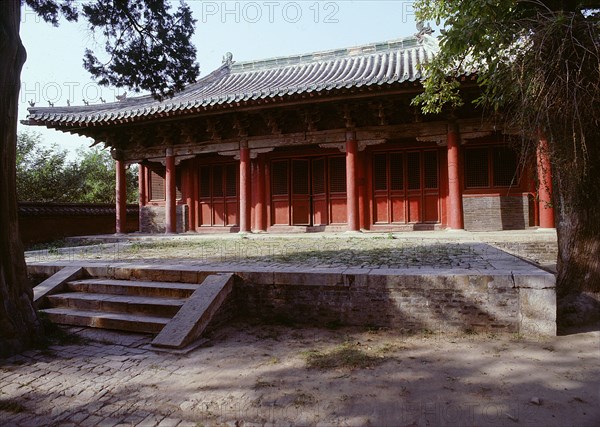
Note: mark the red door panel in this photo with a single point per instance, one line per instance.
(398, 210)
(381, 209)
(281, 212)
(300, 192)
(320, 211)
(218, 213)
(431, 211)
(339, 213)
(232, 208)
(206, 213)
(414, 209)
(280, 193)
(218, 198)
(319, 192)
(301, 212)
(405, 187)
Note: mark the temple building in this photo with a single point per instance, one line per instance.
(325, 141)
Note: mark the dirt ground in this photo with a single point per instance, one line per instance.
(352, 377)
(288, 375)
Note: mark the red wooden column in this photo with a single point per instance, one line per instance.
(245, 194)
(121, 197)
(544, 174)
(259, 208)
(171, 195)
(455, 208)
(143, 192)
(363, 208)
(351, 178)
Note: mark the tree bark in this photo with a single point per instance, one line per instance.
(19, 325)
(578, 221)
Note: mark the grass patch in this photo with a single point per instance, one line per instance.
(55, 245)
(12, 406)
(263, 384)
(427, 333)
(304, 399)
(273, 361)
(344, 356)
(388, 348)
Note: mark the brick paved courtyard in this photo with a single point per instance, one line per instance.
(335, 250)
(262, 374)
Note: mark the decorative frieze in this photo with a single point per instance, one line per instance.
(339, 146)
(214, 128)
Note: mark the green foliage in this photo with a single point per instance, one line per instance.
(478, 36)
(45, 175)
(146, 44)
(517, 49)
(97, 170)
(537, 64)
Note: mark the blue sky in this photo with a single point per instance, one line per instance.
(249, 29)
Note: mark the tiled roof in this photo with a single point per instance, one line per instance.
(70, 209)
(384, 63)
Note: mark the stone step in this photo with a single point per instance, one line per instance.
(132, 287)
(153, 306)
(95, 319)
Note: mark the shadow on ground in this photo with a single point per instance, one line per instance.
(261, 375)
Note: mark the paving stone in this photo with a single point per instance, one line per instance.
(108, 422)
(135, 418)
(34, 421)
(93, 420)
(169, 422)
(151, 420)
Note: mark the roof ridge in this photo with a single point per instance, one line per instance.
(278, 61)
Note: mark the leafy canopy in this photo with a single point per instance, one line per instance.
(44, 174)
(537, 64)
(147, 45)
(501, 40)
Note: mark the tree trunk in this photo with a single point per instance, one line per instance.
(578, 227)
(19, 325)
(578, 246)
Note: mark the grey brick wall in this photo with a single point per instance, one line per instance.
(490, 213)
(511, 301)
(538, 252)
(412, 303)
(153, 219)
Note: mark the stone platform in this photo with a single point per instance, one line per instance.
(441, 282)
